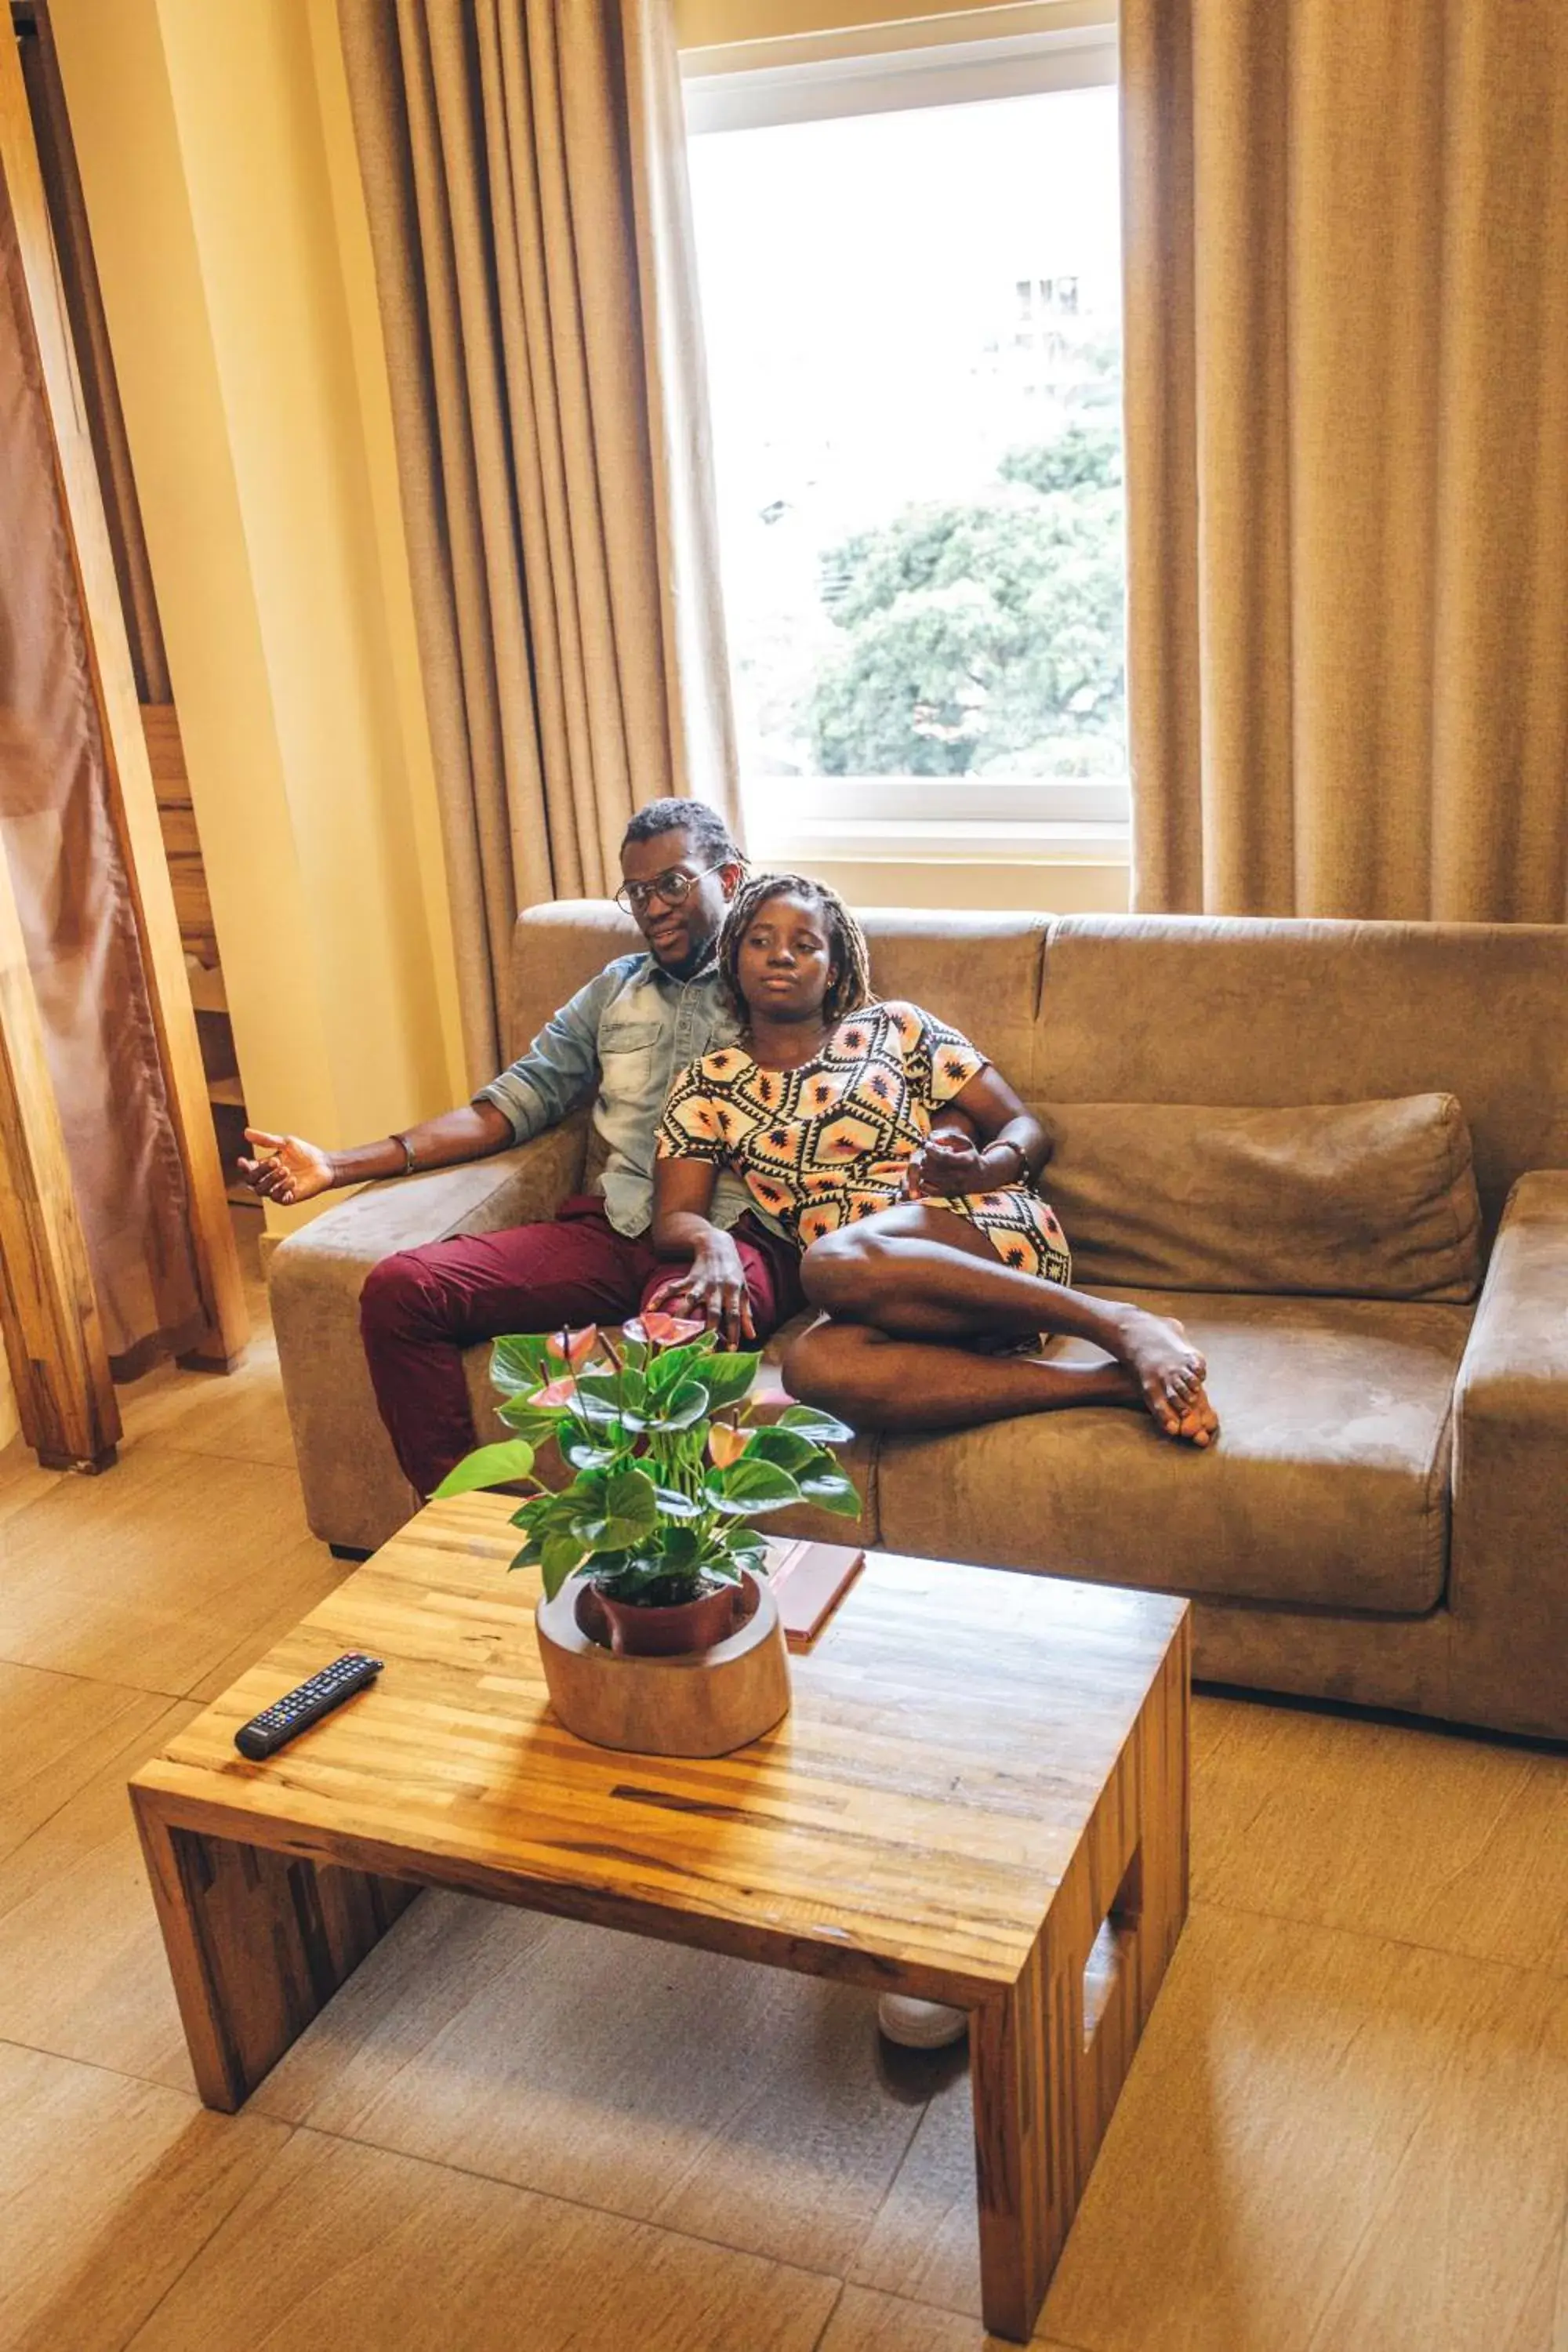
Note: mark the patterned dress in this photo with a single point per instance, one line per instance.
(830, 1143)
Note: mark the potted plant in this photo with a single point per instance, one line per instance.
(668, 1466)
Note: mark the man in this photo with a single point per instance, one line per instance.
(619, 1043)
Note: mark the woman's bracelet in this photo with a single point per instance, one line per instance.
(1009, 1145)
(407, 1150)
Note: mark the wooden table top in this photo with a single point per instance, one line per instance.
(911, 1817)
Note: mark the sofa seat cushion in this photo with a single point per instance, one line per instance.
(1328, 1488)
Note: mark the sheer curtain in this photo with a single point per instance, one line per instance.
(524, 169)
(1346, 261)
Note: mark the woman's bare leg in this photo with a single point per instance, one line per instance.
(879, 1382)
(921, 1273)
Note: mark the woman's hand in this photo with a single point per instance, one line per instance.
(949, 1165)
(712, 1287)
(296, 1170)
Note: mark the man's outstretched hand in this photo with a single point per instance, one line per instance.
(293, 1171)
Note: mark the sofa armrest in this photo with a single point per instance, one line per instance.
(355, 1495)
(1508, 1547)
(481, 1196)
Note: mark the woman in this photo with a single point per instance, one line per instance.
(903, 1165)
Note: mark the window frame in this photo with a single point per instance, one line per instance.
(755, 85)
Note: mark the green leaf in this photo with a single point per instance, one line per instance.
(583, 1455)
(559, 1557)
(728, 1379)
(611, 1511)
(679, 1548)
(488, 1465)
(747, 1547)
(598, 1411)
(674, 1504)
(787, 1447)
(830, 1490)
(813, 1424)
(531, 1421)
(681, 1408)
(676, 1364)
(518, 1361)
(747, 1486)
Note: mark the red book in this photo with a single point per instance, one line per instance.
(808, 1581)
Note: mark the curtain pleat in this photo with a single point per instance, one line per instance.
(524, 170)
(60, 841)
(1346, 286)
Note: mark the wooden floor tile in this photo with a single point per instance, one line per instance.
(345, 2245)
(56, 1732)
(1327, 2141)
(866, 2322)
(1461, 1843)
(152, 1574)
(710, 2096)
(236, 1416)
(108, 2188)
(924, 2242)
(21, 1480)
(82, 1971)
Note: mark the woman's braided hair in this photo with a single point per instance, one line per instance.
(846, 942)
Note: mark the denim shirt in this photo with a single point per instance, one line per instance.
(621, 1040)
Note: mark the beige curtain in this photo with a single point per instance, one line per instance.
(1347, 415)
(58, 837)
(524, 169)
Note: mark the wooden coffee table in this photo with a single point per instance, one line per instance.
(980, 1796)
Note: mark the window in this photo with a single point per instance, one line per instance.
(912, 313)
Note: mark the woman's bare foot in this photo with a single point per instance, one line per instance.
(1168, 1368)
(1196, 1424)
(1200, 1422)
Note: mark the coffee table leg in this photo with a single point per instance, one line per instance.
(1020, 2143)
(257, 1944)
(1049, 2056)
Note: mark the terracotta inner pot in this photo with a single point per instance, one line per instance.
(635, 1631)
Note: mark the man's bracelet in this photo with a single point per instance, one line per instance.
(408, 1160)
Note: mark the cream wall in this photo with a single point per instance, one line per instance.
(217, 157)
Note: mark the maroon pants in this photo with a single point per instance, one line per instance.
(420, 1309)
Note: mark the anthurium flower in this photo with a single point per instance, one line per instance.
(560, 1392)
(656, 1330)
(574, 1348)
(726, 1444)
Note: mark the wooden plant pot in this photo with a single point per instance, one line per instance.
(706, 1703)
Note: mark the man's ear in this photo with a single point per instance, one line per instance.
(731, 879)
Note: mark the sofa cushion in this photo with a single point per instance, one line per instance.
(1373, 1200)
(1328, 1487)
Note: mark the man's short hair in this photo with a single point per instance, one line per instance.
(706, 829)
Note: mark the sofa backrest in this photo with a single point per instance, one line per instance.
(982, 971)
(1200, 1009)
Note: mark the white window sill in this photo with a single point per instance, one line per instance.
(774, 841)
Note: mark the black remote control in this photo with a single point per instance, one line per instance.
(295, 1712)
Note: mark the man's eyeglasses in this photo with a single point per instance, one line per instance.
(672, 886)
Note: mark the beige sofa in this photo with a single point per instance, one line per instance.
(1386, 1519)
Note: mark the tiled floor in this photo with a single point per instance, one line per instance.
(1347, 2130)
